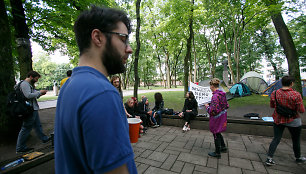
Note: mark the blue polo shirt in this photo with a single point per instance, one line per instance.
(91, 129)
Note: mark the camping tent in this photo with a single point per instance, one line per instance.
(274, 86)
(240, 90)
(254, 81)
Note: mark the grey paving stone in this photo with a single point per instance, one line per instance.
(255, 147)
(228, 170)
(272, 171)
(208, 145)
(233, 137)
(236, 145)
(178, 149)
(154, 170)
(297, 169)
(224, 159)
(167, 138)
(173, 152)
(177, 166)
(241, 163)
(158, 156)
(243, 154)
(178, 144)
(188, 168)
(147, 145)
(148, 162)
(212, 162)
(245, 171)
(162, 147)
(194, 159)
(205, 169)
(169, 162)
(146, 153)
(199, 150)
(259, 166)
(199, 142)
(142, 168)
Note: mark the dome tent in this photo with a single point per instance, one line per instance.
(240, 90)
(254, 81)
(274, 86)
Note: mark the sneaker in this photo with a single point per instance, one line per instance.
(300, 160)
(155, 126)
(214, 154)
(24, 150)
(188, 129)
(270, 162)
(184, 128)
(223, 150)
(46, 141)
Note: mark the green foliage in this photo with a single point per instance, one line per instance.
(50, 72)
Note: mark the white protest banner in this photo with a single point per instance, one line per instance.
(202, 94)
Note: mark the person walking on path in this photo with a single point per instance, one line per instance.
(217, 111)
(190, 110)
(291, 99)
(91, 128)
(69, 72)
(28, 89)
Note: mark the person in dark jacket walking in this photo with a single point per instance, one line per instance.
(190, 110)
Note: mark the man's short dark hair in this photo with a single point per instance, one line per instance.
(104, 19)
(69, 72)
(287, 80)
(33, 74)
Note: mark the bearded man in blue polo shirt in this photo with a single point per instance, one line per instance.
(91, 129)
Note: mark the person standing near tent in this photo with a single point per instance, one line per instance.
(217, 111)
(291, 99)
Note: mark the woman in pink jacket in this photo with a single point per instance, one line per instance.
(217, 111)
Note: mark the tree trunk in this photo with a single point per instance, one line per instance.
(137, 49)
(195, 62)
(188, 52)
(9, 127)
(287, 43)
(22, 38)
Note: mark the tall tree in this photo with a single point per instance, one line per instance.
(8, 125)
(286, 42)
(136, 84)
(22, 38)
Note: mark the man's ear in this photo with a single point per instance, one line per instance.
(97, 37)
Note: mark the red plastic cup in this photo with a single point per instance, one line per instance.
(134, 125)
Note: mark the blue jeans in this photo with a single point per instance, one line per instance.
(26, 128)
(158, 117)
(295, 136)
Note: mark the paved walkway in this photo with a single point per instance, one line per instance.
(166, 150)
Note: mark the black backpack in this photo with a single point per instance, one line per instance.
(18, 105)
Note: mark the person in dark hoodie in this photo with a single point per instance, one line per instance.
(143, 111)
(217, 111)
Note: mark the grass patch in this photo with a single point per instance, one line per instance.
(253, 99)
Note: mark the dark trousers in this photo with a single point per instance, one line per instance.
(189, 116)
(144, 119)
(219, 142)
(295, 136)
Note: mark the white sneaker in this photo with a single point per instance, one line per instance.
(188, 129)
(184, 128)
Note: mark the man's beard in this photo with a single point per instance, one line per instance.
(112, 60)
